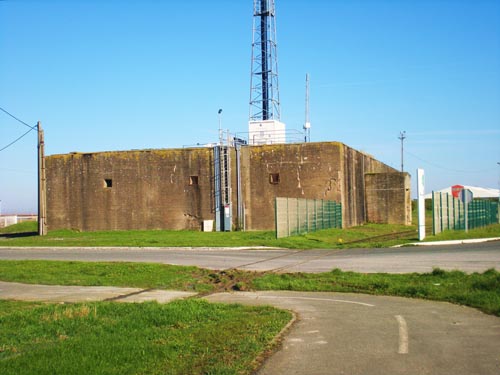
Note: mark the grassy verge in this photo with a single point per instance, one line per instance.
(24, 235)
(137, 275)
(364, 236)
(479, 290)
(484, 232)
(182, 337)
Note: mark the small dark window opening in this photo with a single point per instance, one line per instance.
(193, 180)
(108, 183)
(274, 178)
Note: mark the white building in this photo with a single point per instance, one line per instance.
(477, 192)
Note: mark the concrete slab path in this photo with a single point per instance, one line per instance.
(59, 293)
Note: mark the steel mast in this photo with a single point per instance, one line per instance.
(264, 89)
(264, 125)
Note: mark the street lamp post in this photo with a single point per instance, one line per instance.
(220, 126)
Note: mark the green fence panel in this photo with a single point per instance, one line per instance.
(448, 213)
(297, 216)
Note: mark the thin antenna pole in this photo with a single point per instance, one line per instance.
(307, 122)
(402, 137)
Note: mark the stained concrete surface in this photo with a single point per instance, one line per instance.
(58, 293)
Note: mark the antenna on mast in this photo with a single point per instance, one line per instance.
(264, 125)
(264, 91)
(307, 123)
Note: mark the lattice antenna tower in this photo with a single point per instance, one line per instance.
(264, 89)
(307, 123)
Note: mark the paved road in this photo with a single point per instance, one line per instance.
(341, 333)
(359, 334)
(466, 257)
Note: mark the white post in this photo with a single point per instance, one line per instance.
(421, 203)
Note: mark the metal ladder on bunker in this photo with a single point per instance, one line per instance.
(222, 166)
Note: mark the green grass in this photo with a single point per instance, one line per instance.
(25, 228)
(138, 275)
(479, 290)
(189, 336)
(363, 236)
(484, 232)
(24, 235)
(182, 337)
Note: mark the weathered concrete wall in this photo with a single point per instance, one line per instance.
(355, 165)
(388, 198)
(151, 189)
(174, 189)
(306, 170)
(326, 170)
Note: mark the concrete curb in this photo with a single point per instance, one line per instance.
(149, 248)
(450, 242)
(276, 343)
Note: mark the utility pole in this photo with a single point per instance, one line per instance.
(402, 137)
(42, 197)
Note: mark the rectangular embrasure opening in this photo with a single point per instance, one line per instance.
(274, 178)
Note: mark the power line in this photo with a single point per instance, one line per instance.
(18, 139)
(20, 121)
(445, 168)
(15, 118)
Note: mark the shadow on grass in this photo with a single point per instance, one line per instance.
(18, 235)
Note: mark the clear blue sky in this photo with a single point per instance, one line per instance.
(115, 75)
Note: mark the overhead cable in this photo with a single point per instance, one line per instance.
(15, 118)
(448, 169)
(14, 141)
